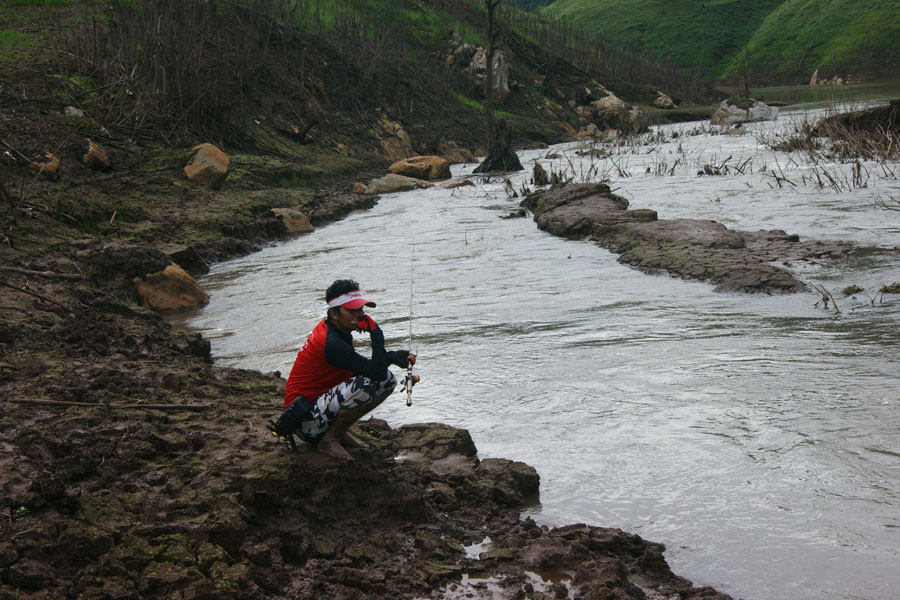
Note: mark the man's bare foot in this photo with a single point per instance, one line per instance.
(333, 449)
(351, 441)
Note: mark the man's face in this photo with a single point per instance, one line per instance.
(346, 318)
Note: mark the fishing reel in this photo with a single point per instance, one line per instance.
(409, 381)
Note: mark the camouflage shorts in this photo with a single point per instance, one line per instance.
(353, 393)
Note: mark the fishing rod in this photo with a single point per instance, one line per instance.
(411, 378)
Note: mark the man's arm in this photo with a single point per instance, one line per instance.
(340, 353)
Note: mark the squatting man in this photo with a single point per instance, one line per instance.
(331, 386)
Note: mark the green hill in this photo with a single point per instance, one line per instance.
(785, 39)
(861, 37)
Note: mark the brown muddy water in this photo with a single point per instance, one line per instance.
(756, 436)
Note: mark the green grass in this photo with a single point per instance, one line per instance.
(12, 41)
(688, 32)
(466, 101)
(787, 36)
(51, 3)
(831, 33)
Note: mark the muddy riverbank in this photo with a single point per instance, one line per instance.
(133, 467)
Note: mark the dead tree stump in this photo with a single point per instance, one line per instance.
(500, 155)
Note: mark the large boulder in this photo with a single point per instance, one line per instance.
(664, 102)
(428, 167)
(294, 220)
(208, 167)
(610, 113)
(729, 113)
(395, 142)
(170, 289)
(395, 183)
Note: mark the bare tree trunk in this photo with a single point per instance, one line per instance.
(491, 5)
(500, 156)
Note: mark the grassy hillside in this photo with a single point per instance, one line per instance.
(697, 34)
(785, 39)
(860, 37)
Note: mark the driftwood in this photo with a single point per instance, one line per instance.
(194, 407)
(52, 274)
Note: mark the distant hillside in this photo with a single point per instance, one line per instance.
(785, 39)
(859, 37)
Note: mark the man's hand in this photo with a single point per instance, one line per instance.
(366, 323)
(411, 359)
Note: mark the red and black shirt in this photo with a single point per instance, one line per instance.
(328, 358)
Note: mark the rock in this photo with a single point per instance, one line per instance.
(95, 158)
(729, 114)
(209, 166)
(500, 75)
(422, 167)
(589, 131)
(73, 112)
(395, 142)
(434, 440)
(665, 102)
(456, 183)
(47, 165)
(610, 112)
(454, 153)
(170, 289)
(294, 220)
(359, 188)
(583, 112)
(395, 183)
(814, 80)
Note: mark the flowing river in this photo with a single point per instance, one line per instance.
(756, 436)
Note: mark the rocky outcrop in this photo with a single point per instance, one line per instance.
(395, 142)
(158, 503)
(472, 62)
(208, 167)
(729, 113)
(500, 76)
(686, 248)
(834, 80)
(170, 289)
(428, 167)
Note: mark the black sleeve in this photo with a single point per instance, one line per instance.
(339, 352)
(398, 357)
